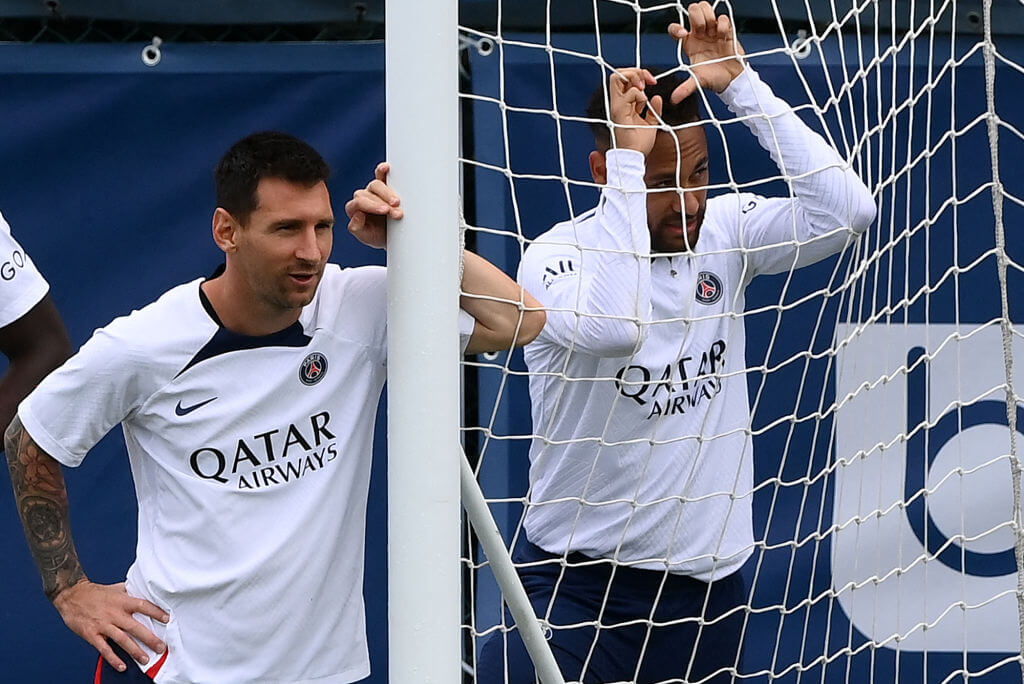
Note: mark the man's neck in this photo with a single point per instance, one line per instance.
(240, 312)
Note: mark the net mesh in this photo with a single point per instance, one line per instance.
(883, 406)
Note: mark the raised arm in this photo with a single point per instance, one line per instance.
(593, 274)
(829, 202)
(34, 345)
(505, 314)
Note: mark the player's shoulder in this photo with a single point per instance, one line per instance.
(173, 320)
(5, 228)
(180, 300)
(355, 275)
(734, 204)
(340, 283)
(351, 298)
(12, 252)
(555, 254)
(561, 237)
(151, 343)
(726, 214)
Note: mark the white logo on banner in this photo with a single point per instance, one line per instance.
(944, 558)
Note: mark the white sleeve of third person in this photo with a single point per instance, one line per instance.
(829, 204)
(593, 276)
(21, 285)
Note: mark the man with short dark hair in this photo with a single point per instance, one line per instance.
(247, 401)
(641, 474)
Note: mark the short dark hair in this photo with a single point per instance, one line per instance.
(676, 114)
(268, 154)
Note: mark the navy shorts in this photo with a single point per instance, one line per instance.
(105, 674)
(633, 651)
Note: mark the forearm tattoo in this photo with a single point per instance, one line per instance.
(42, 501)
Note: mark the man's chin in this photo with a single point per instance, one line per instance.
(299, 299)
(305, 298)
(674, 243)
(692, 240)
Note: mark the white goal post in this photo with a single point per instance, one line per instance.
(426, 461)
(883, 392)
(423, 379)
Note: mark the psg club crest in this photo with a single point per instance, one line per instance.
(314, 368)
(709, 287)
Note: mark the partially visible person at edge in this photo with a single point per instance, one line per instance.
(32, 335)
(247, 401)
(641, 477)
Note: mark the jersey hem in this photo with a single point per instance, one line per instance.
(348, 676)
(721, 571)
(25, 303)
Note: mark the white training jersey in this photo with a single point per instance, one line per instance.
(642, 447)
(251, 461)
(21, 284)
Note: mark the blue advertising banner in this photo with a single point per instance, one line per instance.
(106, 178)
(107, 181)
(836, 593)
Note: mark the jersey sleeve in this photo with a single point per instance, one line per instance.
(828, 203)
(466, 326)
(77, 404)
(364, 305)
(361, 306)
(596, 284)
(21, 284)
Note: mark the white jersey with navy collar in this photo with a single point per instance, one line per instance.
(21, 284)
(251, 461)
(642, 448)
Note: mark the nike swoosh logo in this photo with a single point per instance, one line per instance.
(185, 410)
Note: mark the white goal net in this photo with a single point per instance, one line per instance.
(882, 382)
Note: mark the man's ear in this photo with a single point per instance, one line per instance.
(598, 167)
(225, 230)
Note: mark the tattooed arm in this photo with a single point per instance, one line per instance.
(95, 612)
(43, 506)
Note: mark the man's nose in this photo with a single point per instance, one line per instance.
(308, 248)
(692, 203)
